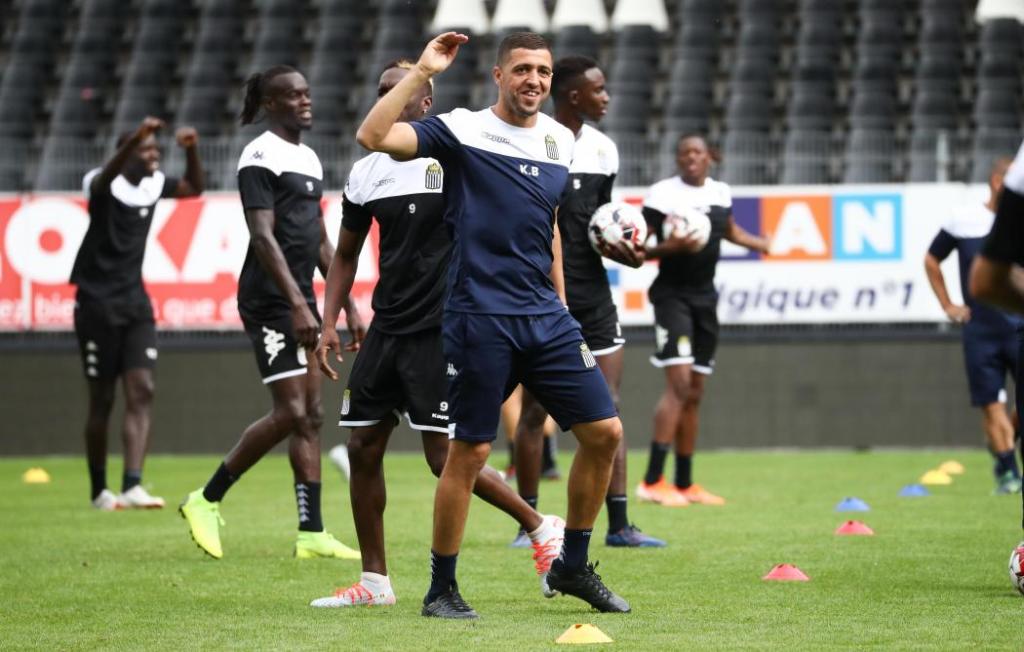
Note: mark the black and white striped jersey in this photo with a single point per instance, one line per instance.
(688, 272)
(406, 198)
(595, 163)
(276, 175)
(109, 262)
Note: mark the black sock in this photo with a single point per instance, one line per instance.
(617, 518)
(532, 502)
(684, 470)
(130, 479)
(1006, 461)
(307, 497)
(97, 479)
(442, 575)
(574, 549)
(219, 484)
(656, 462)
(549, 450)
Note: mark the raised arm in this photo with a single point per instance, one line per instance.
(736, 234)
(340, 277)
(271, 258)
(380, 130)
(193, 183)
(112, 168)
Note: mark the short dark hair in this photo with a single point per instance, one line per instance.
(693, 134)
(567, 72)
(525, 40)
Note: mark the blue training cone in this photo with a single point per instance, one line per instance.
(852, 504)
(914, 491)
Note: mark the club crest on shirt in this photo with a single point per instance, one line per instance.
(433, 177)
(551, 146)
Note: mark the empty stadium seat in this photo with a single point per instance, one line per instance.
(577, 39)
(576, 13)
(998, 9)
(528, 15)
(468, 15)
(806, 156)
(640, 12)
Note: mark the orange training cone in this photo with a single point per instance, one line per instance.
(583, 635)
(786, 573)
(854, 528)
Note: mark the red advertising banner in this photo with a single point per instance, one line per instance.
(193, 256)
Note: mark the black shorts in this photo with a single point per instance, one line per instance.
(278, 354)
(686, 331)
(989, 357)
(488, 355)
(601, 329)
(395, 375)
(115, 338)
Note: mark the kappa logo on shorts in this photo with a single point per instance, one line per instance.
(660, 337)
(434, 177)
(273, 343)
(551, 146)
(345, 402)
(151, 353)
(301, 355)
(588, 357)
(452, 372)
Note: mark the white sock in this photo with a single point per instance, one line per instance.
(543, 531)
(375, 582)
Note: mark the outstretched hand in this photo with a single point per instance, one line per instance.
(148, 127)
(440, 52)
(186, 137)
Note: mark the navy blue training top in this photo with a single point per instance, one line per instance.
(966, 233)
(502, 187)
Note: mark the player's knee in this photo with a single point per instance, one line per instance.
(140, 391)
(694, 397)
(436, 460)
(101, 400)
(531, 419)
(291, 417)
(315, 416)
(604, 436)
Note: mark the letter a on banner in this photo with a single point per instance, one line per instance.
(800, 227)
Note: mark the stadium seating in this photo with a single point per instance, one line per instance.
(794, 91)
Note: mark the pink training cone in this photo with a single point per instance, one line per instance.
(854, 528)
(786, 573)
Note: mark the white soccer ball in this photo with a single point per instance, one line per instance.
(617, 222)
(691, 223)
(1017, 567)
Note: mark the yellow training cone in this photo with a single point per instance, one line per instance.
(936, 476)
(952, 467)
(35, 475)
(583, 635)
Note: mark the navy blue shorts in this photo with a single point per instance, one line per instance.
(988, 358)
(488, 355)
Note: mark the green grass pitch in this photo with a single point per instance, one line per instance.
(934, 576)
